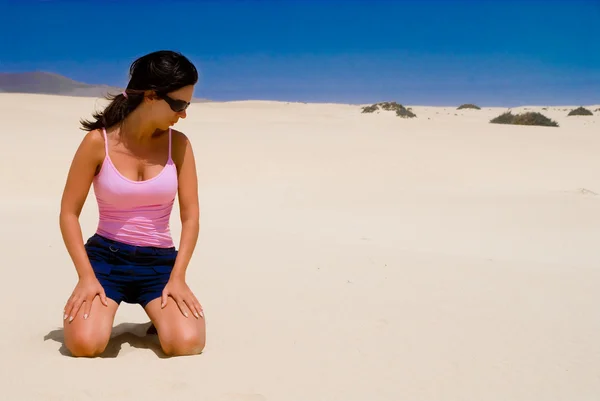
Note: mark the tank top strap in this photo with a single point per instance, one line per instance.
(170, 159)
(105, 141)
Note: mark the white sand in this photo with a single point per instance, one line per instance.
(342, 256)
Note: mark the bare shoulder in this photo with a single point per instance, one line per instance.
(92, 146)
(179, 138)
(181, 147)
(85, 165)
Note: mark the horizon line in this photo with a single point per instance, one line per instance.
(203, 100)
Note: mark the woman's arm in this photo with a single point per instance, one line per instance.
(189, 210)
(81, 174)
(77, 186)
(188, 202)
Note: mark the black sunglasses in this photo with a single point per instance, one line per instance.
(175, 104)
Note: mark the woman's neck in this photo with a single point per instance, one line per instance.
(136, 129)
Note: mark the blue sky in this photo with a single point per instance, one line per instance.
(493, 53)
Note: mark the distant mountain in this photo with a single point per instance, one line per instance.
(48, 83)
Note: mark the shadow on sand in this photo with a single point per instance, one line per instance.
(134, 334)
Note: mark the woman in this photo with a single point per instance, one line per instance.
(138, 165)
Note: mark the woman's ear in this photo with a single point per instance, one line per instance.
(150, 95)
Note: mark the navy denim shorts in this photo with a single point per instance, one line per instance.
(128, 273)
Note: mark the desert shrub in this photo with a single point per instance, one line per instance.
(504, 118)
(529, 118)
(580, 111)
(370, 109)
(468, 106)
(534, 118)
(400, 110)
(405, 113)
(390, 106)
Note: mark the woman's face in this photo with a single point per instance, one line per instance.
(167, 110)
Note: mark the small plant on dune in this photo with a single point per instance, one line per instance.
(529, 118)
(401, 111)
(405, 113)
(370, 109)
(534, 118)
(468, 106)
(580, 111)
(390, 106)
(504, 118)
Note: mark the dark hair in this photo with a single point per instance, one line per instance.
(163, 71)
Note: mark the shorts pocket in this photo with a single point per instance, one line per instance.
(94, 240)
(99, 256)
(162, 269)
(101, 268)
(165, 251)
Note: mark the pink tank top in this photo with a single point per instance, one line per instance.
(135, 212)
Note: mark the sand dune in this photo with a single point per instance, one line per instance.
(342, 256)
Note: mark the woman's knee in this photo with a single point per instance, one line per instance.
(85, 343)
(89, 337)
(182, 342)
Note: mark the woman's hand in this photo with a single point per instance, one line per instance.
(177, 289)
(85, 291)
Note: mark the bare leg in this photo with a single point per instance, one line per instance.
(178, 335)
(89, 337)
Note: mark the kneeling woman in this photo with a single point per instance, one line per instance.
(137, 165)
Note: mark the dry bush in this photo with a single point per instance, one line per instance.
(580, 111)
(529, 118)
(401, 111)
(468, 106)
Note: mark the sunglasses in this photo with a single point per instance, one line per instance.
(176, 105)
